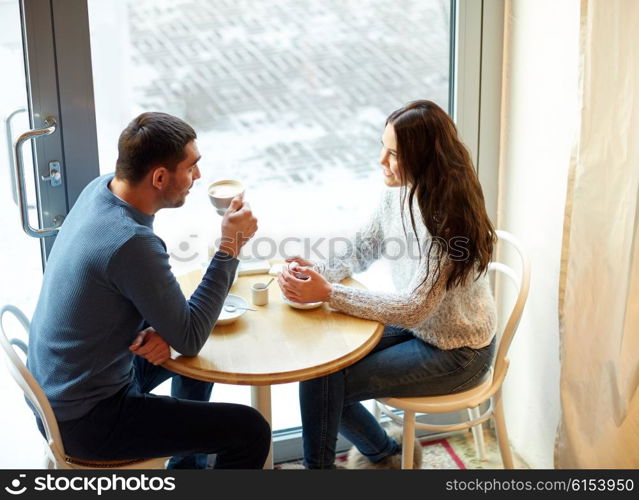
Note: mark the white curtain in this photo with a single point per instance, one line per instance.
(599, 286)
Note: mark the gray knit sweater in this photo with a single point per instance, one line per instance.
(462, 316)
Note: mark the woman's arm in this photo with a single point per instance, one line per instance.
(364, 248)
(407, 309)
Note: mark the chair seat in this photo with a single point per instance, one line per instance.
(446, 403)
(135, 463)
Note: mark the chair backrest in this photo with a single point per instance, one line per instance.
(29, 385)
(521, 281)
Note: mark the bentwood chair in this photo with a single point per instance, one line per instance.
(55, 456)
(490, 390)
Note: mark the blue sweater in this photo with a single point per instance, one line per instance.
(107, 277)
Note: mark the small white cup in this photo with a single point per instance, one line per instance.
(259, 294)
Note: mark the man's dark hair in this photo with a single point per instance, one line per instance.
(151, 139)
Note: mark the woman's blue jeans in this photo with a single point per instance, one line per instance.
(401, 365)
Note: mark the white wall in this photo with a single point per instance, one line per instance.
(539, 111)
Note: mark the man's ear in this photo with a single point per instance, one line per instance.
(159, 177)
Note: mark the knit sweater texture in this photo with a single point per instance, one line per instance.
(107, 277)
(448, 319)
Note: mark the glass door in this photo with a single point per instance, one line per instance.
(30, 206)
(20, 264)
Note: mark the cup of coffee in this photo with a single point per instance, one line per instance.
(292, 269)
(222, 192)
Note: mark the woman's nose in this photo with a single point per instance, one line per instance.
(383, 157)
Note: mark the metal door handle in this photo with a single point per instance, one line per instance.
(22, 191)
(12, 169)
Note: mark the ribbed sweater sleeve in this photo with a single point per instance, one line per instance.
(141, 272)
(407, 309)
(364, 248)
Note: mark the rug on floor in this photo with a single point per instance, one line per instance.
(453, 452)
(437, 454)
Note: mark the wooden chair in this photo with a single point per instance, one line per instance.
(490, 390)
(55, 456)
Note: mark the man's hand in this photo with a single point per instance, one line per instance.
(151, 347)
(238, 226)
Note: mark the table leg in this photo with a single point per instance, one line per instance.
(261, 401)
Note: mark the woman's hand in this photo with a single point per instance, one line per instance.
(315, 288)
(300, 261)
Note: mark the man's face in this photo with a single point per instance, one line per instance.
(182, 178)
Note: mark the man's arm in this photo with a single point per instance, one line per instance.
(142, 273)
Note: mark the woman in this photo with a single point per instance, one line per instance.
(439, 334)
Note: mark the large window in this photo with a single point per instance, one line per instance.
(288, 96)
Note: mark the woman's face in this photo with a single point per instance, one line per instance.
(388, 158)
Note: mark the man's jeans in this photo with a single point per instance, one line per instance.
(194, 390)
(135, 424)
(401, 365)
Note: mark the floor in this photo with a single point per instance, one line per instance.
(463, 446)
(453, 452)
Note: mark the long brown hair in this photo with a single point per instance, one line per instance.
(437, 170)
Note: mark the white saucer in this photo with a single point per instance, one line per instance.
(301, 305)
(226, 317)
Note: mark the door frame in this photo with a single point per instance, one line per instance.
(57, 55)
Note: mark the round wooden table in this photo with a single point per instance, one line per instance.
(276, 344)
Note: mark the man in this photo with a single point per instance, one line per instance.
(108, 277)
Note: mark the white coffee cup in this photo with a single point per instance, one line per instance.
(259, 294)
(222, 192)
